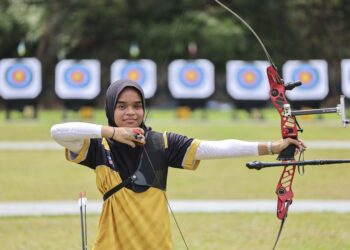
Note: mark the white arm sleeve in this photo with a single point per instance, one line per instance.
(225, 149)
(71, 135)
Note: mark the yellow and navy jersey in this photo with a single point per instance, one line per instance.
(131, 219)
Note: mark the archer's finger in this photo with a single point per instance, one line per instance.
(129, 142)
(138, 131)
(139, 140)
(302, 144)
(299, 143)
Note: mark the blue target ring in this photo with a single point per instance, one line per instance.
(19, 76)
(249, 77)
(77, 76)
(191, 75)
(308, 75)
(134, 72)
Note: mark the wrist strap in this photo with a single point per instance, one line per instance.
(113, 132)
(269, 148)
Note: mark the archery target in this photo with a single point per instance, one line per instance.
(142, 71)
(247, 80)
(191, 79)
(345, 77)
(77, 79)
(77, 76)
(191, 75)
(134, 72)
(314, 77)
(20, 78)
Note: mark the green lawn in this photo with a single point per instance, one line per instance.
(228, 231)
(218, 125)
(46, 175)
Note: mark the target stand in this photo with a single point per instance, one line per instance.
(78, 109)
(254, 108)
(28, 108)
(20, 85)
(185, 108)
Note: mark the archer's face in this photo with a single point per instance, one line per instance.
(128, 111)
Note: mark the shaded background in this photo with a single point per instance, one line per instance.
(74, 29)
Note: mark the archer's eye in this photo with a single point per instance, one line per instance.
(120, 106)
(138, 106)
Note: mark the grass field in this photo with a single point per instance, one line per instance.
(45, 175)
(228, 231)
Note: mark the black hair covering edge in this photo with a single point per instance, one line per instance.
(112, 95)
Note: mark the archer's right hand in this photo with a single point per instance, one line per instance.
(130, 136)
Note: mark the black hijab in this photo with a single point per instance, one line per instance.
(125, 157)
(113, 92)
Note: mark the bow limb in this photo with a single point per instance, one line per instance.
(288, 129)
(288, 125)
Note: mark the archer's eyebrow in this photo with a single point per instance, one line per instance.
(121, 102)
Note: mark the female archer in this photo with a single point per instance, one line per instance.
(131, 164)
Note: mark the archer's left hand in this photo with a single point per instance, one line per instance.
(282, 144)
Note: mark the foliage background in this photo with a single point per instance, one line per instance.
(104, 30)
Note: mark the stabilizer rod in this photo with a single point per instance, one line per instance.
(315, 111)
(259, 165)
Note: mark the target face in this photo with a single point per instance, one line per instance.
(345, 77)
(249, 77)
(314, 77)
(134, 72)
(247, 80)
(191, 79)
(77, 79)
(143, 71)
(191, 75)
(77, 76)
(20, 78)
(307, 75)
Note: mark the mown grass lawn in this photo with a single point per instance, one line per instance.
(46, 175)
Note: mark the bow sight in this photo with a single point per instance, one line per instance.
(340, 109)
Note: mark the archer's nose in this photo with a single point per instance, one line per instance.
(130, 111)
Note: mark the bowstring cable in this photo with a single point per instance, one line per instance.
(177, 28)
(302, 167)
(251, 29)
(273, 65)
(166, 198)
(166, 58)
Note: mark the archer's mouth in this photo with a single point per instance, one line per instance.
(130, 120)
